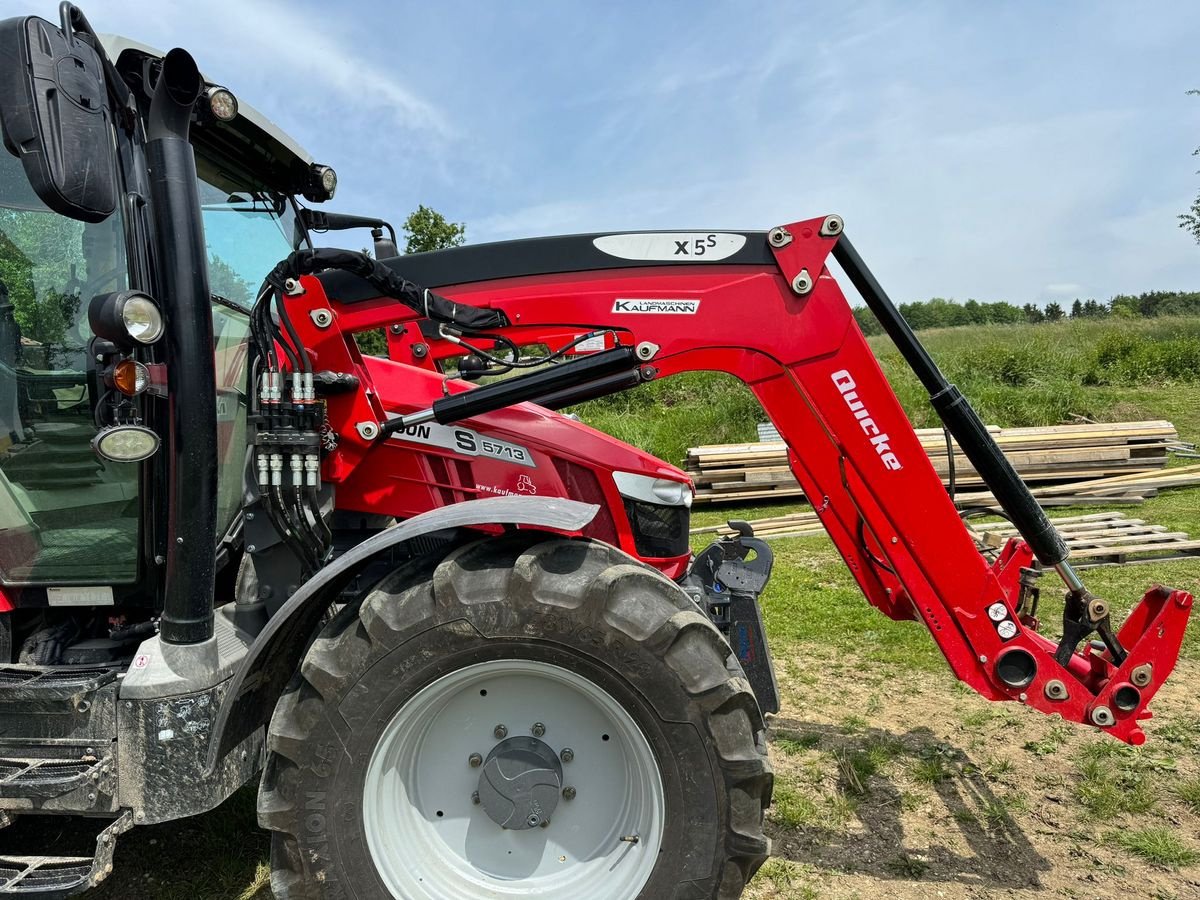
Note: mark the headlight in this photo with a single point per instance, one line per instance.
(126, 443)
(126, 318)
(662, 491)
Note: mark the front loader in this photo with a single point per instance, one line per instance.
(458, 634)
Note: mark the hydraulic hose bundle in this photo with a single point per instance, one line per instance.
(288, 418)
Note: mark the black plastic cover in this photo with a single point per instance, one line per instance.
(55, 115)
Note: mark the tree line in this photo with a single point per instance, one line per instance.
(941, 313)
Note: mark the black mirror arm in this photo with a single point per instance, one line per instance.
(75, 22)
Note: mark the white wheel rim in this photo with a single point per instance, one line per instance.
(430, 841)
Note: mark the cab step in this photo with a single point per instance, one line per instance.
(26, 684)
(52, 877)
(47, 771)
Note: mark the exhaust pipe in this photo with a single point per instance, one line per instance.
(191, 376)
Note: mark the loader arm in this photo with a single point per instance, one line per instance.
(774, 317)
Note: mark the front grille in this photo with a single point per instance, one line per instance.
(581, 484)
(658, 531)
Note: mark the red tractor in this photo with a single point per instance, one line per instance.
(460, 635)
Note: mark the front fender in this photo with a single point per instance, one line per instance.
(271, 661)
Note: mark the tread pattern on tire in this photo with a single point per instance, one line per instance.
(585, 580)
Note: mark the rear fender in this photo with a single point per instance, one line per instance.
(271, 661)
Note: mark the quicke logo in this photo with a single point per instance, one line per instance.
(879, 439)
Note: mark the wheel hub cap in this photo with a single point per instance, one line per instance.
(521, 782)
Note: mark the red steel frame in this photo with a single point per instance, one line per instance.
(850, 446)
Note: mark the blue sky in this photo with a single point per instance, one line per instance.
(1017, 151)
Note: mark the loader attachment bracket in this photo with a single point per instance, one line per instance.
(726, 580)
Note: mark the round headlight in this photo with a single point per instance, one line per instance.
(126, 443)
(222, 104)
(126, 318)
(329, 181)
(143, 322)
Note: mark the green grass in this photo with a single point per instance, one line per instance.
(793, 743)
(1188, 791)
(1114, 780)
(1158, 845)
(794, 809)
(1050, 742)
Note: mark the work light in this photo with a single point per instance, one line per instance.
(126, 443)
(222, 104)
(322, 184)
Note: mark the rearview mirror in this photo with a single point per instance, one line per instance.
(55, 115)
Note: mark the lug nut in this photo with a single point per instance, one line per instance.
(475, 797)
(568, 793)
(475, 760)
(567, 755)
(500, 732)
(538, 729)
(534, 820)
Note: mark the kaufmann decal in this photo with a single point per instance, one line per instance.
(464, 441)
(669, 307)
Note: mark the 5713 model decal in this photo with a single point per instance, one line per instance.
(464, 441)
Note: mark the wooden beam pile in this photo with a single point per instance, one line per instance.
(1056, 455)
(1094, 539)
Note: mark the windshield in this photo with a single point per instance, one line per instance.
(248, 230)
(59, 502)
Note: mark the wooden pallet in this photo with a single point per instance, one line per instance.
(1093, 539)
(1043, 456)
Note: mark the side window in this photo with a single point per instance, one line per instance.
(231, 331)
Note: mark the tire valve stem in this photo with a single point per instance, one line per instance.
(630, 839)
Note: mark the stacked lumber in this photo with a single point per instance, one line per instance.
(1102, 539)
(1051, 455)
(1093, 539)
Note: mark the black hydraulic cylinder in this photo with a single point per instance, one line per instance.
(959, 416)
(191, 380)
(544, 382)
(601, 387)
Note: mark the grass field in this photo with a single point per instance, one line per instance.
(892, 780)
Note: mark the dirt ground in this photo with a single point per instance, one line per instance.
(943, 794)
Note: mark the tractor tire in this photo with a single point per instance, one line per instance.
(625, 757)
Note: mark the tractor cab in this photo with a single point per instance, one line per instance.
(81, 417)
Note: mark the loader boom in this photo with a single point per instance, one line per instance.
(784, 328)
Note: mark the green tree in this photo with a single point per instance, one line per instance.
(1124, 307)
(1190, 220)
(1033, 314)
(224, 281)
(1054, 312)
(427, 229)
